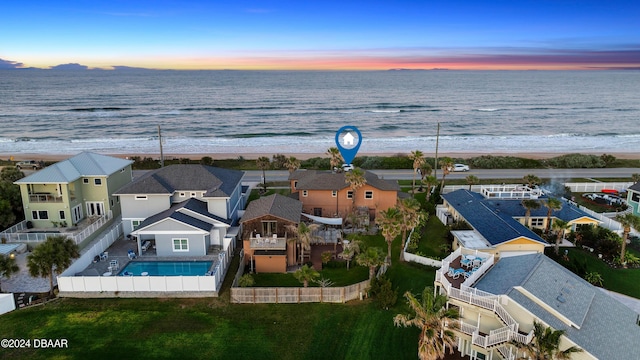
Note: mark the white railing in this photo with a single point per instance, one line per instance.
(273, 243)
(417, 258)
(90, 252)
(467, 328)
(22, 225)
(89, 230)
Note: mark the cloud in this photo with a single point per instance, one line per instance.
(8, 64)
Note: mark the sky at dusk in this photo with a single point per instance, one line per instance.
(322, 35)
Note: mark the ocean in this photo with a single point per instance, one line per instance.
(243, 112)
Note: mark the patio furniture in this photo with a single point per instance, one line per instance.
(108, 273)
(477, 262)
(145, 245)
(466, 262)
(274, 239)
(104, 255)
(113, 265)
(131, 254)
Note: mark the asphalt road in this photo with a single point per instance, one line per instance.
(407, 174)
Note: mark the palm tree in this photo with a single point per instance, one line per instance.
(349, 251)
(371, 257)
(292, 164)
(8, 267)
(435, 321)
(418, 161)
(446, 164)
(628, 221)
(531, 180)
(335, 158)
(54, 255)
(306, 274)
(430, 181)
(551, 204)
(561, 227)
(529, 204)
(355, 178)
(472, 180)
(389, 221)
(263, 164)
(545, 344)
(634, 177)
(410, 216)
(304, 236)
(425, 170)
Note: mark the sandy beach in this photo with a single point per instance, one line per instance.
(304, 156)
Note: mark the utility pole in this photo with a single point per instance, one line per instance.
(161, 154)
(435, 166)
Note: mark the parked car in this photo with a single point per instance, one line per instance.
(459, 167)
(28, 164)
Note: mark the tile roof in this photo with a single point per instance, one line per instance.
(328, 180)
(69, 170)
(603, 326)
(494, 224)
(216, 182)
(277, 205)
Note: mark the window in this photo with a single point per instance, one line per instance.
(269, 228)
(537, 221)
(85, 181)
(635, 197)
(295, 184)
(180, 244)
(141, 197)
(350, 194)
(334, 193)
(193, 194)
(182, 194)
(97, 181)
(368, 194)
(40, 214)
(135, 224)
(62, 215)
(305, 193)
(111, 202)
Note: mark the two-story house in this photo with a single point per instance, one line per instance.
(328, 194)
(499, 302)
(71, 190)
(183, 209)
(266, 235)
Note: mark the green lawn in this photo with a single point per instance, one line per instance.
(339, 277)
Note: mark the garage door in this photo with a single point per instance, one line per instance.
(505, 254)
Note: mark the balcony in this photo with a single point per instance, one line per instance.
(268, 243)
(44, 198)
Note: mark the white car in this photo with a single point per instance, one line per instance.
(347, 167)
(459, 167)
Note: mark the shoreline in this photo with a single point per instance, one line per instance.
(305, 156)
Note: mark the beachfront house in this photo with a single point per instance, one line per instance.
(265, 234)
(498, 224)
(327, 194)
(501, 299)
(633, 198)
(81, 187)
(183, 210)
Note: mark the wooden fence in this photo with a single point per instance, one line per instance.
(295, 295)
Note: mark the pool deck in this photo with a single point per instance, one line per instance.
(119, 251)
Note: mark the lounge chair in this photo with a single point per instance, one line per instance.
(104, 255)
(145, 245)
(131, 254)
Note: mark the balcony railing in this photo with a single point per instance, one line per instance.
(44, 198)
(269, 243)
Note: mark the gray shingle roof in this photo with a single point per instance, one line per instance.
(328, 180)
(176, 213)
(607, 328)
(277, 205)
(494, 224)
(83, 164)
(635, 187)
(216, 182)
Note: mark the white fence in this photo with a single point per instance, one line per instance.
(88, 253)
(598, 186)
(417, 258)
(15, 234)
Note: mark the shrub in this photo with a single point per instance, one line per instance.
(573, 161)
(382, 291)
(246, 280)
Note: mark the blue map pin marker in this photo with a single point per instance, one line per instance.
(348, 140)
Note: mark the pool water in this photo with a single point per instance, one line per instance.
(167, 268)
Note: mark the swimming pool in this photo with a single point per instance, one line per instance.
(167, 268)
